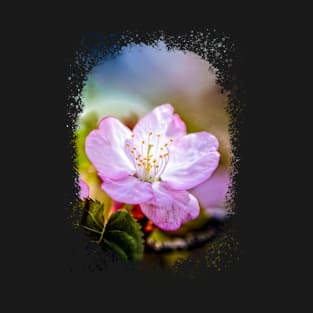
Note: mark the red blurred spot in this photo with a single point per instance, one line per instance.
(116, 206)
(149, 227)
(137, 213)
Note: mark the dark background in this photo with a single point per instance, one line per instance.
(45, 247)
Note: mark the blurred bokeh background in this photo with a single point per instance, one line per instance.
(141, 77)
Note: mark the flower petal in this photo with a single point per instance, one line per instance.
(105, 148)
(212, 193)
(177, 127)
(192, 160)
(83, 189)
(128, 190)
(169, 209)
(160, 120)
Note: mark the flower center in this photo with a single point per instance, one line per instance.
(150, 157)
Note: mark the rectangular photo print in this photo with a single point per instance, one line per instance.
(153, 118)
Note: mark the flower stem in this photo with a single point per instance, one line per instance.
(91, 229)
(102, 233)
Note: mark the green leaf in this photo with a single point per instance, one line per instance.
(125, 242)
(123, 220)
(116, 248)
(123, 230)
(93, 218)
(121, 233)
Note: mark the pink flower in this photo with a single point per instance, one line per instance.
(83, 190)
(154, 165)
(212, 193)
